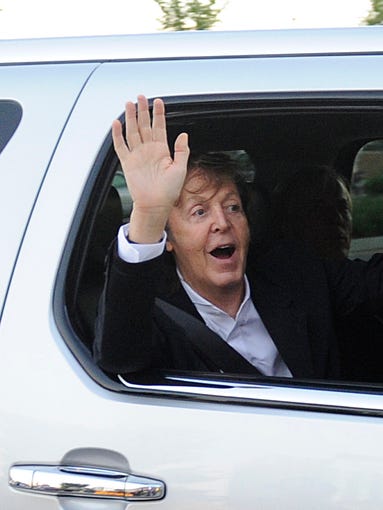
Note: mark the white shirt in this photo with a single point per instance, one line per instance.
(245, 333)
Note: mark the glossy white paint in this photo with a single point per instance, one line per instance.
(194, 44)
(210, 455)
(46, 95)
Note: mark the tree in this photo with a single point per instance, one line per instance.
(375, 16)
(188, 15)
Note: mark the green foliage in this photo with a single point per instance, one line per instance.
(174, 16)
(375, 16)
(374, 184)
(188, 15)
(203, 14)
(367, 216)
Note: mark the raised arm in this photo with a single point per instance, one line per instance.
(154, 178)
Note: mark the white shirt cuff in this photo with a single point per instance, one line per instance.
(134, 252)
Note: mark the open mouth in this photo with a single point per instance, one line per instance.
(223, 252)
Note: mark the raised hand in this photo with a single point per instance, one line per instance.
(154, 179)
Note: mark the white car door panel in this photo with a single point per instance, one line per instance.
(257, 447)
(46, 103)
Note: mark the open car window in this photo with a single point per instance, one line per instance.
(272, 136)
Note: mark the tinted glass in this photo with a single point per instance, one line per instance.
(10, 116)
(367, 200)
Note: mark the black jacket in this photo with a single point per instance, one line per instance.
(297, 295)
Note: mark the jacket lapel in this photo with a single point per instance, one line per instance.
(181, 300)
(171, 290)
(285, 321)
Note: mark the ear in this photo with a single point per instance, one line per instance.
(169, 246)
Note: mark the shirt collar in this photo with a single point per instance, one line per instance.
(197, 299)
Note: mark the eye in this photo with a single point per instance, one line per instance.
(199, 212)
(234, 208)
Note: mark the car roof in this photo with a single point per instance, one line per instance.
(194, 44)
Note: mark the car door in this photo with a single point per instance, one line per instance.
(44, 103)
(71, 436)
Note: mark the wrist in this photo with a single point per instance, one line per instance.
(147, 226)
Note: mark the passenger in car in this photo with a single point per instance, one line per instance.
(313, 205)
(278, 315)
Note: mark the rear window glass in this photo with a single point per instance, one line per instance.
(367, 200)
(10, 117)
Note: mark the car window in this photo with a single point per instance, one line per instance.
(10, 117)
(272, 139)
(367, 200)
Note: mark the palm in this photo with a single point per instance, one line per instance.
(154, 179)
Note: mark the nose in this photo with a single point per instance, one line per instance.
(220, 221)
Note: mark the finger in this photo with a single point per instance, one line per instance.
(118, 139)
(181, 150)
(132, 135)
(143, 116)
(159, 121)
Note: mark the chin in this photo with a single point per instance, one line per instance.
(229, 282)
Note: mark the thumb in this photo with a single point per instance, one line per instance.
(118, 139)
(181, 150)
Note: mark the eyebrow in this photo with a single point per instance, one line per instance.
(201, 198)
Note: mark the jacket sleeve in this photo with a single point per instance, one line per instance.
(124, 334)
(355, 283)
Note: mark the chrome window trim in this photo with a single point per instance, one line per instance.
(310, 396)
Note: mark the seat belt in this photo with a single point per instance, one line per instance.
(220, 354)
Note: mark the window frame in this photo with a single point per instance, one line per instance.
(309, 395)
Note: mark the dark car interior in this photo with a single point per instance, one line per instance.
(274, 135)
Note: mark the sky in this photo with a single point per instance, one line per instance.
(51, 18)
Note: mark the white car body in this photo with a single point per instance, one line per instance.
(218, 446)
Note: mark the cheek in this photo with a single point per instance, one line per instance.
(193, 247)
(188, 246)
(192, 239)
(243, 231)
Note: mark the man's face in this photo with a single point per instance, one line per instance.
(209, 236)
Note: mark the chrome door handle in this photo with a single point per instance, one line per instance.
(84, 482)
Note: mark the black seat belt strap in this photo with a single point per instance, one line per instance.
(209, 343)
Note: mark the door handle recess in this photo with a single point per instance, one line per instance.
(84, 482)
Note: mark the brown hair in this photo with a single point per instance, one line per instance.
(314, 205)
(215, 168)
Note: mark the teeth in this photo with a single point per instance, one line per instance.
(223, 247)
